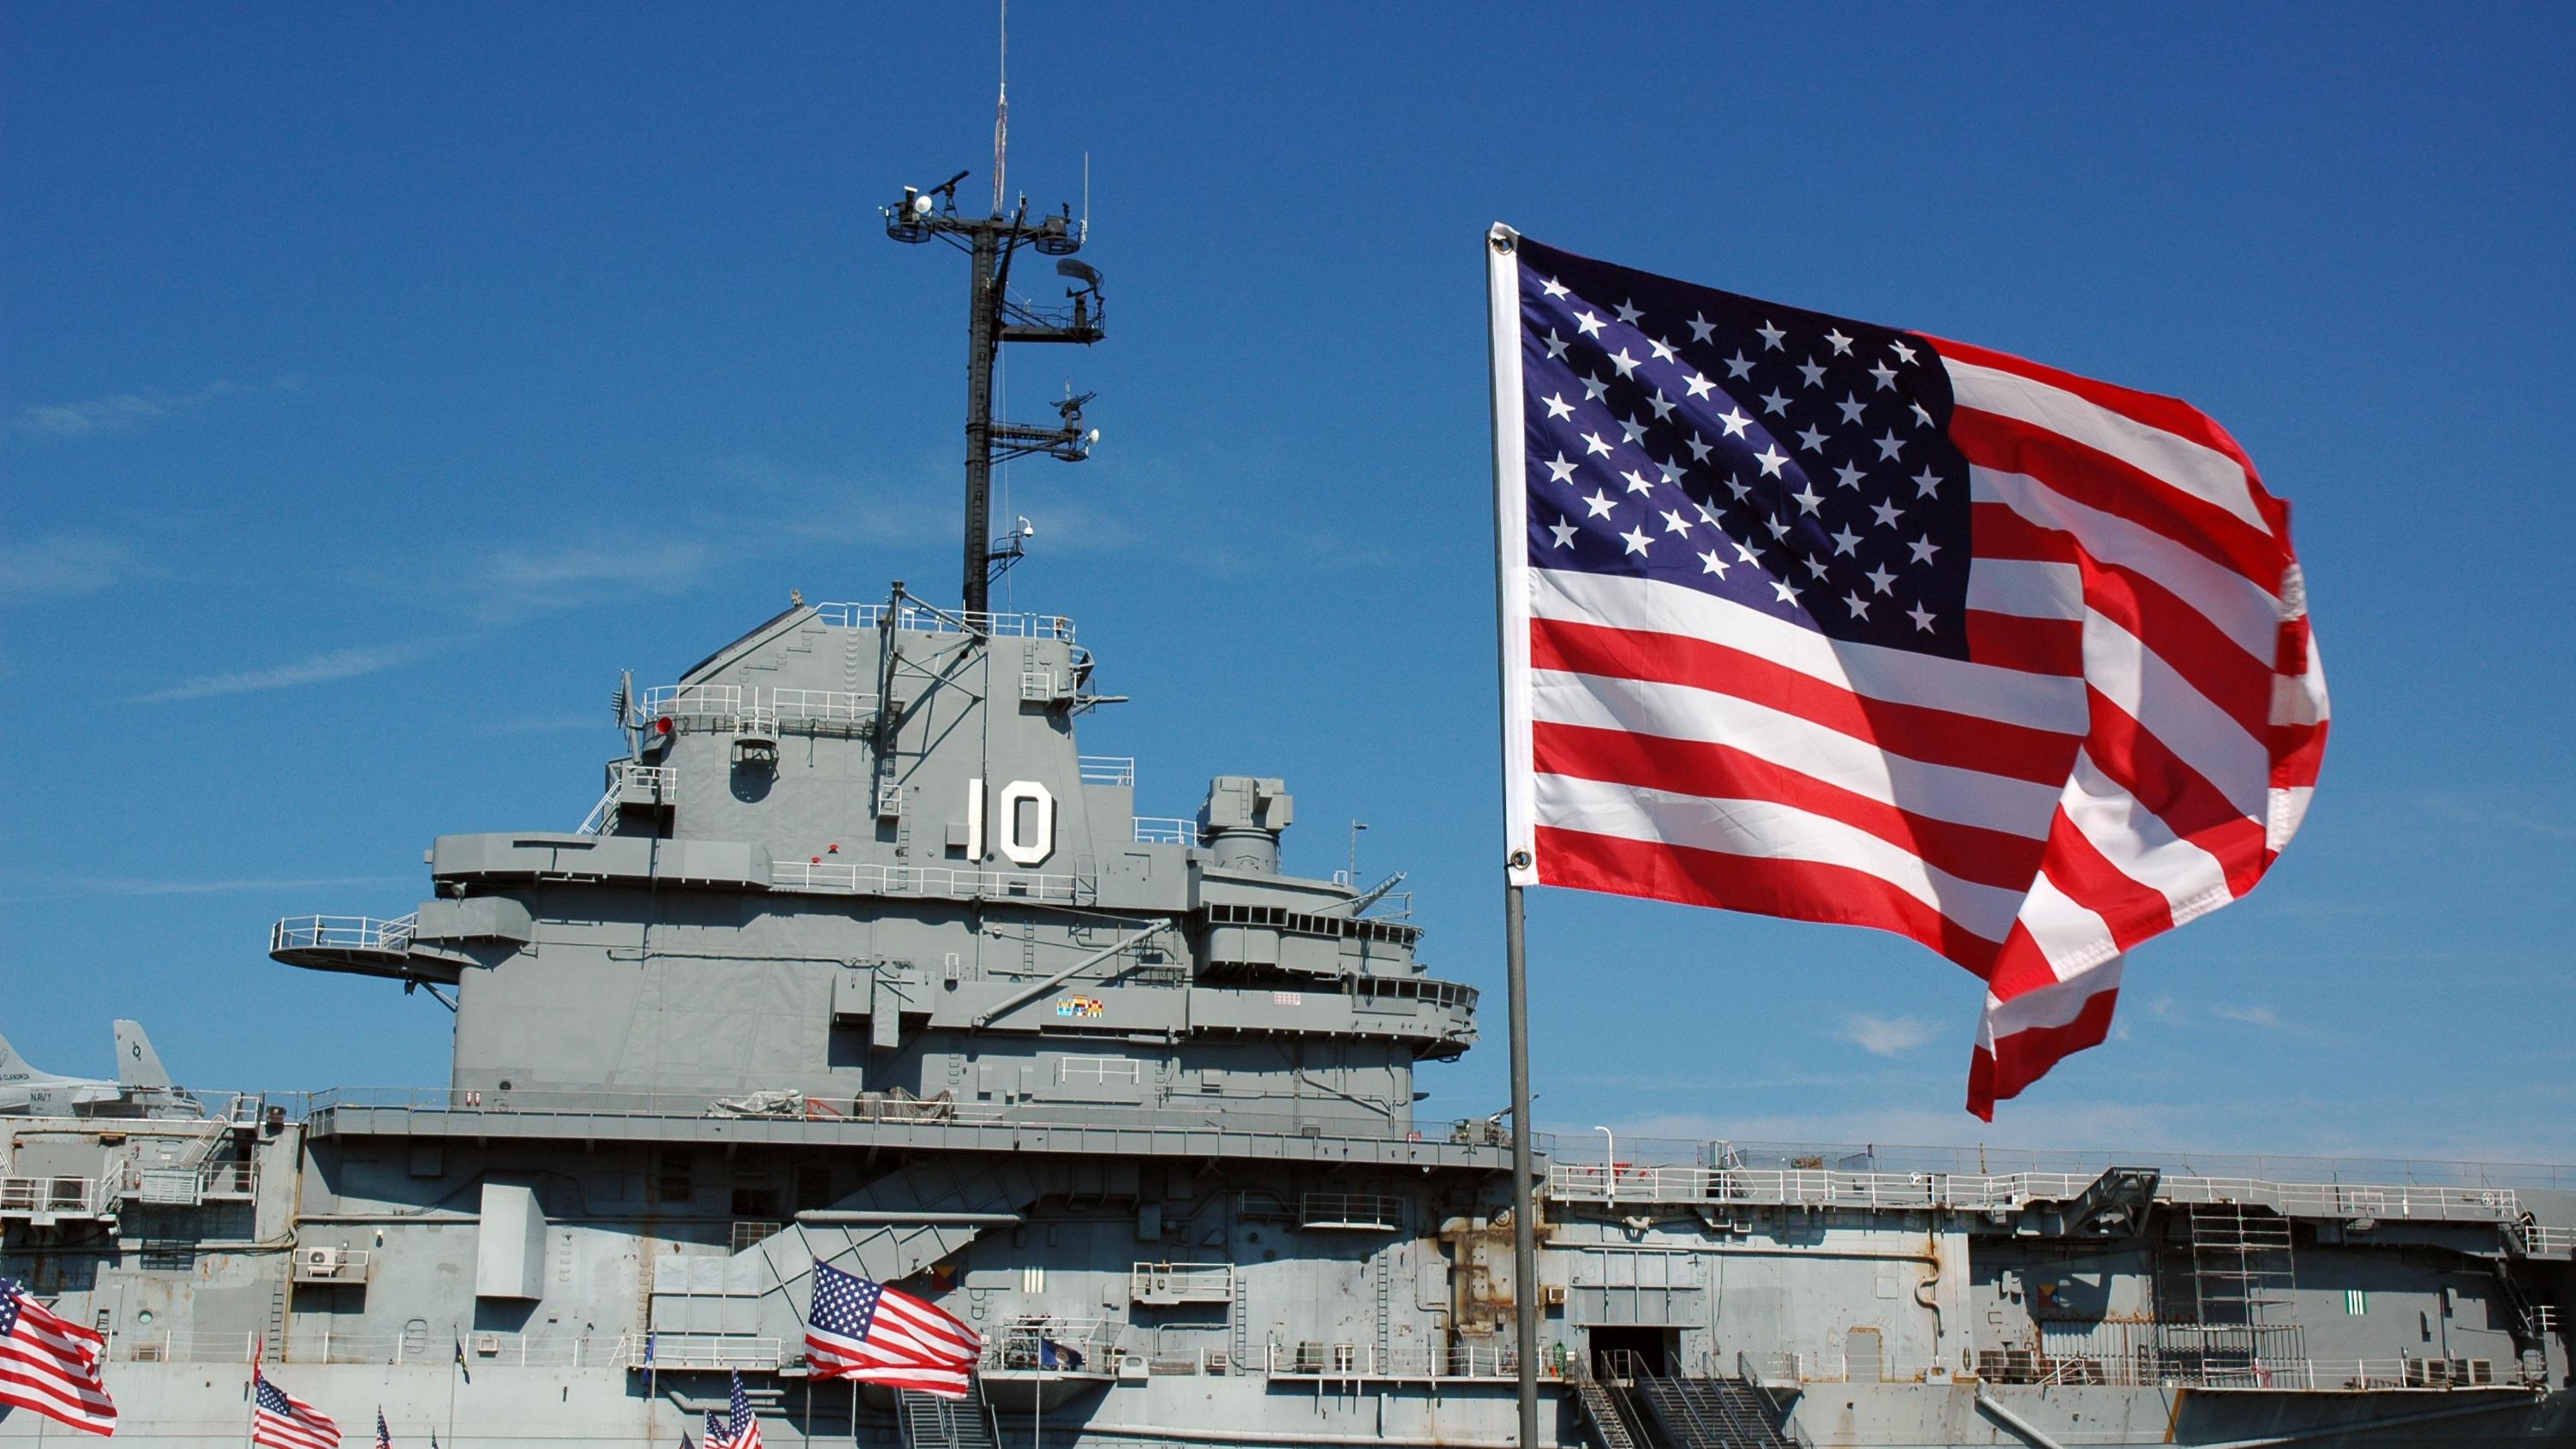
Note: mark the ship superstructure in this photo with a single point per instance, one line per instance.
(858, 959)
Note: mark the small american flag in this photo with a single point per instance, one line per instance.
(384, 1436)
(738, 1429)
(1826, 620)
(859, 1329)
(280, 1420)
(52, 1365)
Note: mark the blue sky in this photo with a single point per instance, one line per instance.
(378, 381)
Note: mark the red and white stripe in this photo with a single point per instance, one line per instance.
(910, 1344)
(301, 1427)
(50, 1365)
(2131, 741)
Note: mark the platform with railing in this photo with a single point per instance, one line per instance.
(1106, 769)
(2544, 1240)
(1330, 1361)
(1613, 1183)
(832, 877)
(631, 783)
(46, 1201)
(660, 1352)
(1052, 1345)
(1166, 830)
(188, 1186)
(1166, 1284)
(922, 618)
(2142, 1370)
(341, 938)
(727, 706)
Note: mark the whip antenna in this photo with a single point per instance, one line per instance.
(1002, 114)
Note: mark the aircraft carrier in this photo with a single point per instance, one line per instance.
(859, 959)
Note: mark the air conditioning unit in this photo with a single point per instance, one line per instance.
(321, 1262)
(1552, 1295)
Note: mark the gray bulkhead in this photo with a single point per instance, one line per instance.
(865, 846)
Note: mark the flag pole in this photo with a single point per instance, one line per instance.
(1502, 341)
(1525, 1294)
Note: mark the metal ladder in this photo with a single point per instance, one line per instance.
(1385, 1290)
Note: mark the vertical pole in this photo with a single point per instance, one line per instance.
(1525, 1294)
(979, 416)
(1511, 615)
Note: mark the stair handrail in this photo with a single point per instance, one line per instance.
(1744, 1371)
(1699, 1432)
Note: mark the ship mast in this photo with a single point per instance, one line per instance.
(993, 319)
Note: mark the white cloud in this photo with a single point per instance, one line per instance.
(1888, 1036)
(517, 582)
(2262, 1016)
(60, 565)
(131, 409)
(319, 669)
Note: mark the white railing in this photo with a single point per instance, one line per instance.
(55, 1197)
(1612, 1183)
(939, 621)
(1181, 1283)
(2141, 1371)
(732, 704)
(1311, 1359)
(655, 782)
(194, 1184)
(657, 1351)
(1991, 1160)
(2338, 1199)
(837, 706)
(344, 933)
(1166, 830)
(1107, 769)
(2539, 1238)
(328, 1345)
(693, 701)
(835, 877)
(1076, 1345)
(1349, 1210)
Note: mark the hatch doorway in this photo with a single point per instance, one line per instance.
(1625, 1351)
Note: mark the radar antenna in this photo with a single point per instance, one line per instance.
(993, 318)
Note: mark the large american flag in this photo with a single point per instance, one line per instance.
(858, 1329)
(1826, 620)
(52, 1365)
(280, 1420)
(738, 1428)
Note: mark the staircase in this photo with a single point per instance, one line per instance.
(1722, 1413)
(948, 1194)
(931, 1422)
(1601, 1412)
